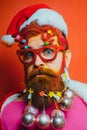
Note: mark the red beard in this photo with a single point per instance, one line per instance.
(43, 79)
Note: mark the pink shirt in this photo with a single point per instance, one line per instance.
(76, 116)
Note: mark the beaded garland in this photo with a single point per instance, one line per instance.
(62, 101)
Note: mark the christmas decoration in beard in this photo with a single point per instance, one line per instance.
(62, 101)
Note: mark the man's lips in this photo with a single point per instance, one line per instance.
(40, 75)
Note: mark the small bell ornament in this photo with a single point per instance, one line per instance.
(28, 119)
(65, 103)
(58, 121)
(43, 121)
(69, 93)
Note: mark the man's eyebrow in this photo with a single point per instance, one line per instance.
(30, 47)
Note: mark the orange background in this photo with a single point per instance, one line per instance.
(75, 14)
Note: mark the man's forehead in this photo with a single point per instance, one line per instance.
(38, 41)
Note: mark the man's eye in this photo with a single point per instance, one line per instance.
(48, 53)
(28, 56)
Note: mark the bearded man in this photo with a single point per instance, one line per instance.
(45, 55)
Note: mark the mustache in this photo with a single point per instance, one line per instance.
(43, 71)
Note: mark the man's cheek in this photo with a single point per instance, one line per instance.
(28, 70)
(58, 63)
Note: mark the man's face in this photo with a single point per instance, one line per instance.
(44, 76)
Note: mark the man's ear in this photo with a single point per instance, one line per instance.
(67, 57)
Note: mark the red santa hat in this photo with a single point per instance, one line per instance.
(42, 13)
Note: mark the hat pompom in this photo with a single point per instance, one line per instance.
(8, 40)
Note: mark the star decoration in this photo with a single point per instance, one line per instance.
(30, 91)
(64, 75)
(59, 94)
(51, 94)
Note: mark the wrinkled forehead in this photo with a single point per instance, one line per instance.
(39, 41)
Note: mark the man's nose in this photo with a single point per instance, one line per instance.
(38, 61)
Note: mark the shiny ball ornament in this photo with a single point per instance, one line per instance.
(31, 109)
(28, 119)
(43, 121)
(57, 111)
(58, 122)
(66, 103)
(69, 93)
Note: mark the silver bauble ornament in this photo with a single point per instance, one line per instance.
(31, 109)
(69, 93)
(57, 111)
(28, 119)
(43, 121)
(58, 122)
(66, 103)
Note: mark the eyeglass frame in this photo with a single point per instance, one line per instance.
(55, 47)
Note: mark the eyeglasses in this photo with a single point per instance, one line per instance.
(46, 53)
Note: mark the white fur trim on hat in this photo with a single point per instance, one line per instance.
(8, 39)
(47, 17)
